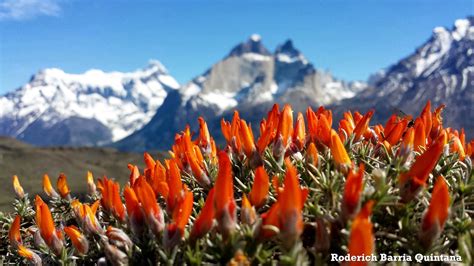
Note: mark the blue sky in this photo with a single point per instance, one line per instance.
(352, 39)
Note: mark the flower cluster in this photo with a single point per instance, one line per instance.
(296, 194)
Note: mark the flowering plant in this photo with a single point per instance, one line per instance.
(298, 193)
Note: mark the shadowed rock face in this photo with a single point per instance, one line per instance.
(73, 131)
(441, 70)
(249, 79)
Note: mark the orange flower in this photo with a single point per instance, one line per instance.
(158, 180)
(345, 129)
(406, 146)
(412, 181)
(20, 193)
(182, 213)
(174, 184)
(437, 122)
(312, 154)
(134, 173)
(111, 200)
(204, 136)
(437, 214)
(224, 202)
(246, 136)
(352, 192)
(285, 126)
(338, 151)
(151, 209)
(267, 135)
(205, 220)
(363, 125)
(248, 144)
(312, 123)
(91, 187)
(299, 135)
(291, 201)
(79, 241)
(419, 141)
(270, 222)
(197, 168)
(135, 214)
(247, 212)
(394, 135)
(48, 188)
(457, 147)
(44, 221)
(14, 232)
(261, 185)
(62, 186)
(427, 118)
(29, 255)
(361, 240)
(175, 231)
(324, 130)
(88, 218)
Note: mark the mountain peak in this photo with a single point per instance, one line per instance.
(252, 45)
(287, 48)
(156, 66)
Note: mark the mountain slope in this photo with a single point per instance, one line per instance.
(441, 70)
(249, 79)
(57, 108)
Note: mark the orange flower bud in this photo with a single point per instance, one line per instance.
(352, 191)
(48, 188)
(419, 141)
(224, 202)
(291, 201)
(29, 255)
(79, 241)
(247, 212)
(175, 231)
(91, 187)
(285, 126)
(412, 181)
(437, 214)
(338, 151)
(135, 214)
(63, 187)
(312, 154)
(205, 220)
(111, 200)
(151, 209)
(20, 193)
(44, 221)
(260, 188)
(363, 125)
(361, 240)
(299, 135)
(14, 232)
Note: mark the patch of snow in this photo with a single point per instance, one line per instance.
(461, 27)
(285, 58)
(223, 101)
(256, 57)
(256, 37)
(169, 81)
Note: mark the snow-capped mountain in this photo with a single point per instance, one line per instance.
(249, 79)
(57, 108)
(441, 70)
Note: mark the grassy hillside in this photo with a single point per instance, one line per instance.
(30, 163)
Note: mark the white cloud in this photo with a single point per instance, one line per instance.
(28, 9)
